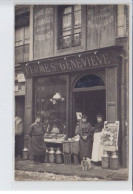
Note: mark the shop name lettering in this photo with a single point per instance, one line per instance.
(72, 64)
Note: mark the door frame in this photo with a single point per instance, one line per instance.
(74, 90)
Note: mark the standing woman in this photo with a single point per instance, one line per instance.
(97, 150)
(37, 144)
(84, 130)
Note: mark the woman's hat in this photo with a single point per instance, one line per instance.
(84, 117)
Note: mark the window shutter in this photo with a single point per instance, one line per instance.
(111, 94)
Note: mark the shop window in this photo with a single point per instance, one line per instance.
(69, 26)
(89, 81)
(50, 99)
(22, 39)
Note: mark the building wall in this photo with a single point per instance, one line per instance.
(98, 30)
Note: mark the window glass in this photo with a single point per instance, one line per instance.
(22, 44)
(51, 103)
(77, 7)
(70, 32)
(89, 81)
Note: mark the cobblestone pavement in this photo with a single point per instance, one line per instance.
(33, 176)
(27, 170)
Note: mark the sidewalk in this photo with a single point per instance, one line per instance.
(72, 170)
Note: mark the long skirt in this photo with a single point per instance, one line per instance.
(85, 147)
(97, 150)
(37, 146)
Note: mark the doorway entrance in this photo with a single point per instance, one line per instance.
(90, 103)
(89, 98)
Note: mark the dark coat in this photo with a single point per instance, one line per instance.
(37, 144)
(85, 129)
(98, 127)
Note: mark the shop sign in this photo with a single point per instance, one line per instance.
(16, 88)
(21, 77)
(70, 63)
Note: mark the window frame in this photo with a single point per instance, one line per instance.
(70, 50)
(72, 27)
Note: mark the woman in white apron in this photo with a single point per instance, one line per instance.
(97, 150)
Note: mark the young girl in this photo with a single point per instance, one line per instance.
(97, 150)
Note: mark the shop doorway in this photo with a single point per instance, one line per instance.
(90, 103)
(89, 98)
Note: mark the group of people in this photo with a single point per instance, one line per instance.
(90, 139)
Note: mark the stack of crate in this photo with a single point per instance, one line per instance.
(74, 146)
(66, 152)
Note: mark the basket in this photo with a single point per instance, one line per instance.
(74, 145)
(66, 147)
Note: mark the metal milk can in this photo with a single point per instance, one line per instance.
(51, 155)
(114, 161)
(25, 153)
(46, 156)
(58, 156)
(105, 160)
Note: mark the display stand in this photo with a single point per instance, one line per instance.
(110, 136)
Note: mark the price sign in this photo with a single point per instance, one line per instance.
(21, 77)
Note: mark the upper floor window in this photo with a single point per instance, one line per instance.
(69, 26)
(22, 38)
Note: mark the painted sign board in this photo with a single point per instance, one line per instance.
(82, 61)
(110, 136)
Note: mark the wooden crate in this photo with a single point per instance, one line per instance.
(67, 158)
(66, 147)
(74, 146)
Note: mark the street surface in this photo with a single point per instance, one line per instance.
(38, 176)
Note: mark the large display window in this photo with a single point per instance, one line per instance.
(50, 103)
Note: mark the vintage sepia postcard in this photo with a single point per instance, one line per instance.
(71, 92)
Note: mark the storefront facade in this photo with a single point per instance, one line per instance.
(83, 73)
